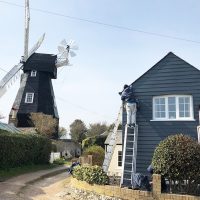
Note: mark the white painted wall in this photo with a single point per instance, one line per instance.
(54, 156)
(114, 169)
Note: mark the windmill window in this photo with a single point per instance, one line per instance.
(173, 107)
(119, 158)
(33, 73)
(29, 97)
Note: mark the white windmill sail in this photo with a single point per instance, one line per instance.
(8, 77)
(26, 32)
(36, 46)
(13, 74)
(64, 50)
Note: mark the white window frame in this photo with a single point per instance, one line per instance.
(33, 73)
(178, 118)
(27, 97)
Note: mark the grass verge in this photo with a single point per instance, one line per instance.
(8, 173)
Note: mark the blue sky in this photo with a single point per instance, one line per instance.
(108, 57)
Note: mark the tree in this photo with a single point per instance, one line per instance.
(97, 129)
(78, 130)
(45, 125)
(61, 131)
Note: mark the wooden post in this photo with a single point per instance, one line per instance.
(90, 160)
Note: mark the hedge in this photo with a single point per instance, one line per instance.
(23, 149)
(91, 174)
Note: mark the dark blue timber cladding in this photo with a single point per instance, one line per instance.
(170, 76)
(43, 63)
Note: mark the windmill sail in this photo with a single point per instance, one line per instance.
(36, 46)
(26, 32)
(10, 76)
(64, 51)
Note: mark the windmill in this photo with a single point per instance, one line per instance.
(36, 91)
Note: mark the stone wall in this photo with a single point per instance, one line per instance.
(129, 194)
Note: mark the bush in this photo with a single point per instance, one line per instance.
(91, 174)
(20, 149)
(178, 158)
(97, 153)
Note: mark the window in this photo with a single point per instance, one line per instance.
(173, 107)
(119, 158)
(29, 97)
(33, 73)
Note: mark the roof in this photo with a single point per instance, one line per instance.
(119, 137)
(42, 62)
(168, 58)
(9, 127)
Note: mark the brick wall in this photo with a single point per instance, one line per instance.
(129, 194)
(113, 191)
(162, 196)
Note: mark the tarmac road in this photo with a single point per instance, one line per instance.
(41, 185)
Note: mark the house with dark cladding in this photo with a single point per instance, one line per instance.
(169, 96)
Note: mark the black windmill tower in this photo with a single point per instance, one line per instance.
(35, 94)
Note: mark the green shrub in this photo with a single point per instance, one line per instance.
(20, 149)
(91, 174)
(97, 153)
(178, 159)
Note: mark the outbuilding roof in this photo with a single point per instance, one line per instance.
(9, 128)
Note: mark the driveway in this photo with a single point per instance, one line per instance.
(41, 185)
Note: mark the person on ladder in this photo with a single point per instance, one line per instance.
(128, 97)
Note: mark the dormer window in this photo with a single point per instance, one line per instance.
(173, 107)
(29, 97)
(33, 73)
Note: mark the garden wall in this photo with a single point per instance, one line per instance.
(129, 194)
